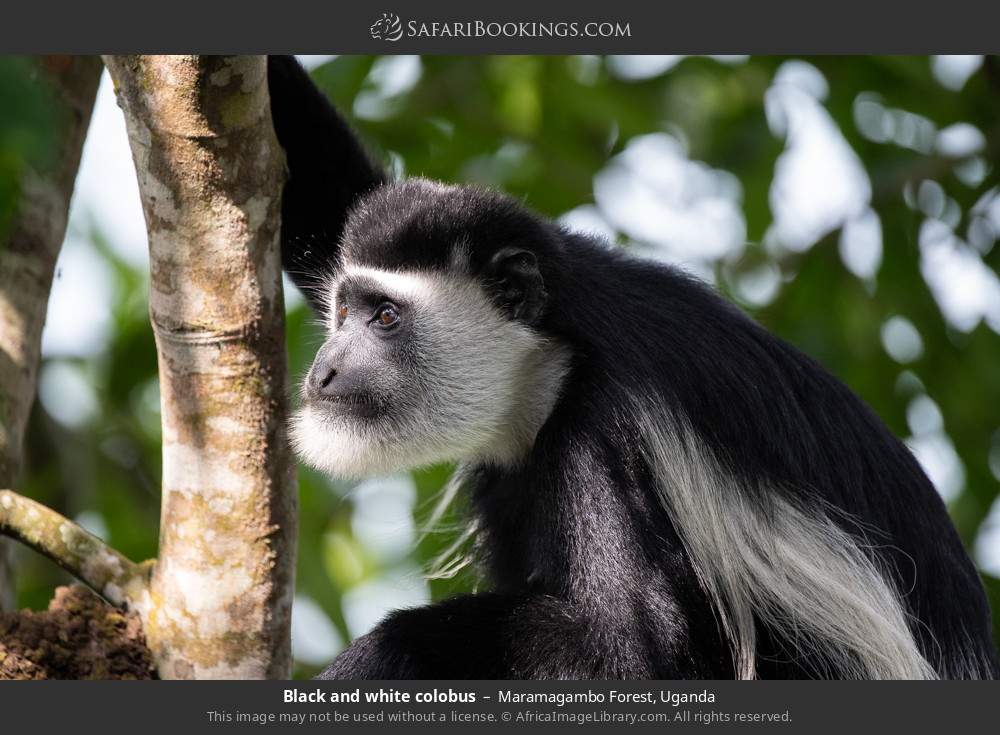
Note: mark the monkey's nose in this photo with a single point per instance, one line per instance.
(319, 383)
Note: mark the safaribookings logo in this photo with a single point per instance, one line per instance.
(390, 28)
(387, 28)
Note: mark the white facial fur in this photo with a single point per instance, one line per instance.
(485, 387)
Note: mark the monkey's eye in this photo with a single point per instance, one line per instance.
(386, 316)
(342, 313)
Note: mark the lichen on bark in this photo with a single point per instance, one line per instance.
(113, 576)
(210, 172)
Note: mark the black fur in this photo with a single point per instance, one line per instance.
(328, 171)
(589, 576)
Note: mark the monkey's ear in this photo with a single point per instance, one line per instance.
(518, 286)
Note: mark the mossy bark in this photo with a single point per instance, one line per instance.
(210, 171)
(27, 263)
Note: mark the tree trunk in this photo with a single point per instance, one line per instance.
(210, 172)
(27, 263)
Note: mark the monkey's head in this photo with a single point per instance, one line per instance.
(435, 348)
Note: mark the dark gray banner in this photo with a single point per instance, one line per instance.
(813, 707)
(514, 26)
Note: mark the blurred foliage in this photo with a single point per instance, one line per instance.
(541, 128)
(28, 125)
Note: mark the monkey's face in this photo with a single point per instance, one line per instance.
(421, 367)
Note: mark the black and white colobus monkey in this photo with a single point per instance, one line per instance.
(660, 488)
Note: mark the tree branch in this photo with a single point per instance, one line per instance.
(113, 576)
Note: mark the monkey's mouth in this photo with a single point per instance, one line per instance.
(359, 404)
